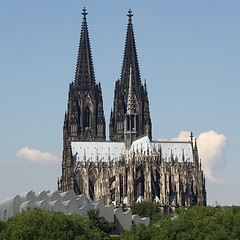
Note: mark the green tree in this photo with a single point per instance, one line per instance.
(42, 224)
(197, 223)
(147, 209)
(101, 223)
(140, 232)
(2, 226)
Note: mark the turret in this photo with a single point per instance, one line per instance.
(195, 156)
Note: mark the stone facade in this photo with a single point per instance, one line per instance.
(131, 166)
(143, 175)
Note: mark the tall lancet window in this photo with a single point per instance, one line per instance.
(87, 118)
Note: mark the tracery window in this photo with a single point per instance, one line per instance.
(87, 118)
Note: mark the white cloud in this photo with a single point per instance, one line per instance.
(36, 156)
(183, 136)
(211, 148)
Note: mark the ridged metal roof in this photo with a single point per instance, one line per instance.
(170, 150)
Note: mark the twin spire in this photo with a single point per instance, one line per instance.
(130, 55)
(130, 96)
(85, 76)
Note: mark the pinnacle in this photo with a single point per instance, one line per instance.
(130, 107)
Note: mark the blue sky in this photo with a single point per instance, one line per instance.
(189, 54)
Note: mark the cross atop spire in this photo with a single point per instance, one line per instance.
(84, 13)
(130, 14)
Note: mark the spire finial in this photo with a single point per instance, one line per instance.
(84, 13)
(191, 138)
(130, 14)
(195, 142)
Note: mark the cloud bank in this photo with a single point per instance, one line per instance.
(36, 156)
(211, 147)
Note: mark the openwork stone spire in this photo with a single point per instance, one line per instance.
(130, 55)
(84, 75)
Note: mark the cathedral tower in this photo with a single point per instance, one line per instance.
(139, 93)
(84, 119)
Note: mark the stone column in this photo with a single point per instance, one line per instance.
(148, 187)
(117, 185)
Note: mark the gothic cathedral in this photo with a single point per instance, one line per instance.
(131, 167)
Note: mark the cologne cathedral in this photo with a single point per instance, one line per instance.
(130, 166)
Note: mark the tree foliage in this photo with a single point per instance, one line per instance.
(42, 224)
(146, 209)
(197, 223)
(140, 232)
(2, 225)
(101, 223)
